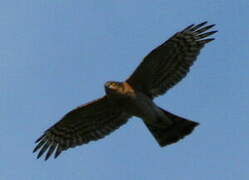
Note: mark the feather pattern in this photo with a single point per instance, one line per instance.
(169, 63)
(86, 123)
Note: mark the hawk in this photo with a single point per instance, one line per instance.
(160, 70)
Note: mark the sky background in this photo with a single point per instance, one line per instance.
(56, 55)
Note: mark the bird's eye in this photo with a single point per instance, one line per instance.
(112, 85)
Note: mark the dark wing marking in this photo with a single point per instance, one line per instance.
(169, 63)
(88, 122)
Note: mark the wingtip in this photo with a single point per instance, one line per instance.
(41, 137)
(215, 31)
(39, 145)
(203, 23)
(205, 41)
(209, 26)
(47, 157)
(34, 150)
(188, 27)
(200, 24)
(57, 153)
(194, 27)
(196, 124)
(212, 25)
(39, 155)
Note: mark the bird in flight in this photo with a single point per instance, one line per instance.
(160, 70)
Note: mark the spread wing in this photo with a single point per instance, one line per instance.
(88, 122)
(169, 63)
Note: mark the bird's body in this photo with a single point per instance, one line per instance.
(160, 70)
(134, 102)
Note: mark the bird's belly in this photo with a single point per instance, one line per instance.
(141, 107)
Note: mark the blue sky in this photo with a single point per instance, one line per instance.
(56, 55)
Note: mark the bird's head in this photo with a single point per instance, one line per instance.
(112, 87)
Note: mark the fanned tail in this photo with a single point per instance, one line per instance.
(166, 134)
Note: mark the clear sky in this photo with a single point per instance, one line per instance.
(55, 55)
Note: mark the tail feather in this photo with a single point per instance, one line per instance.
(168, 134)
